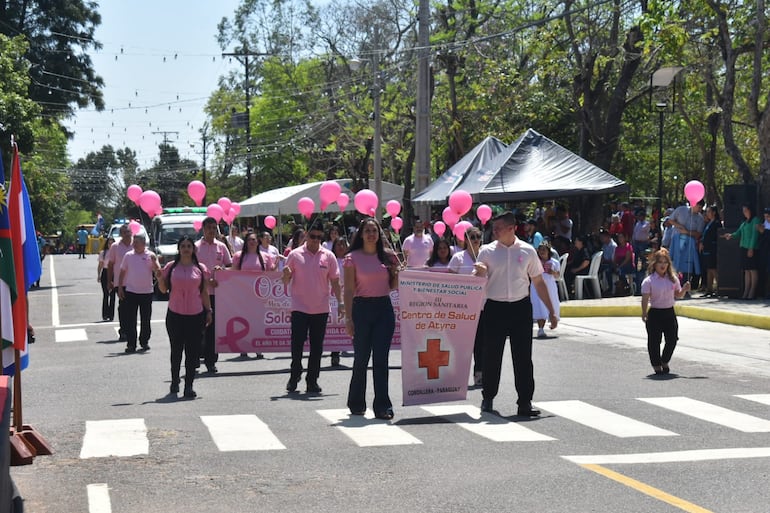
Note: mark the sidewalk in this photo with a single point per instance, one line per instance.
(740, 312)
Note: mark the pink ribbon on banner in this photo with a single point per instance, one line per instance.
(233, 335)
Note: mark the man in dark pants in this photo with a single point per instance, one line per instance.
(312, 270)
(114, 258)
(135, 289)
(509, 264)
(215, 256)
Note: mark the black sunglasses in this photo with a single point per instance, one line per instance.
(315, 237)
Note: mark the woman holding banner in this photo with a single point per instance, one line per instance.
(189, 311)
(371, 272)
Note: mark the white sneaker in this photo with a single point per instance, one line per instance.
(541, 333)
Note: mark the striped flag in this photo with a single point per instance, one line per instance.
(7, 273)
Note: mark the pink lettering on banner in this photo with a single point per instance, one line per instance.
(232, 336)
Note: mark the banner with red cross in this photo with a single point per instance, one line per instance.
(438, 318)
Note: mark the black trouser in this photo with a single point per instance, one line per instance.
(508, 319)
(661, 321)
(210, 355)
(132, 303)
(108, 298)
(184, 334)
(304, 326)
(478, 346)
(81, 251)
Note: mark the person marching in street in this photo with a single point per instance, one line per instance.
(189, 311)
(509, 265)
(135, 287)
(108, 293)
(114, 259)
(418, 246)
(371, 272)
(660, 289)
(462, 263)
(215, 256)
(550, 273)
(311, 269)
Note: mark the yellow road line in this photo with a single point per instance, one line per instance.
(647, 489)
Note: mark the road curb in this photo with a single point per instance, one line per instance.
(694, 312)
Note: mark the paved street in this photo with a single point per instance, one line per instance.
(612, 437)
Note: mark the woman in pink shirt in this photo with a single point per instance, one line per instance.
(189, 311)
(371, 272)
(659, 290)
(252, 258)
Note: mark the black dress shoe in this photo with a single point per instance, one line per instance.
(130, 350)
(527, 411)
(313, 388)
(486, 405)
(291, 385)
(189, 393)
(211, 369)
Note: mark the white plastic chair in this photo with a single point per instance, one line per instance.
(592, 277)
(561, 285)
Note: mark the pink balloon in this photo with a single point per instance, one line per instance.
(133, 192)
(393, 207)
(450, 217)
(227, 218)
(236, 207)
(149, 201)
(215, 211)
(270, 222)
(694, 191)
(225, 203)
(460, 202)
(197, 191)
(460, 229)
(342, 201)
(306, 206)
(135, 227)
(198, 224)
(439, 227)
(366, 202)
(396, 223)
(484, 213)
(329, 192)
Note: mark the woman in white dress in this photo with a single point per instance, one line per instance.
(550, 273)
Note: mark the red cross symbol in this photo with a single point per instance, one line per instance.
(433, 358)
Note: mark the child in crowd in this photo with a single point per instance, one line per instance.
(659, 290)
(551, 270)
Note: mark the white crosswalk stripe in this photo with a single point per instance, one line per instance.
(489, 426)
(711, 413)
(241, 433)
(601, 419)
(122, 437)
(757, 398)
(366, 431)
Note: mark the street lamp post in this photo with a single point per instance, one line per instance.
(660, 82)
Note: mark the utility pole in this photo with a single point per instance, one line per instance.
(245, 54)
(422, 129)
(165, 135)
(377, 143)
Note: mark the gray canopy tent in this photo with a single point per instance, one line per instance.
(533, 167)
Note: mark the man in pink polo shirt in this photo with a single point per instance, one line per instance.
(310, 269)
(114, 258)
(215, 256)
(135, 290)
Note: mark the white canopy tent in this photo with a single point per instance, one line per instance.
(283, 201)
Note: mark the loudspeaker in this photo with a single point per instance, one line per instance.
(735, 196)
(729, 272)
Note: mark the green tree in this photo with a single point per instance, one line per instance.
(17, 112)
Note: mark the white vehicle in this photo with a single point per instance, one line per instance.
(115, 231)
(170, 226)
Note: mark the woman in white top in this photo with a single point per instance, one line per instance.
(440, 257)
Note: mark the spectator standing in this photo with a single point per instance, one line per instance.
(640, 241)
(627, 219)
(563, 225)
(509, 265)
(748, 233)
(624, 259)
(82, 235)
(108, 293)
(689, 224)
(189, 311)
(534, 237)
(659, 290)
(135, 287)
(371, 272)
(418, 246)
(311, 269)
(764, 253)
(215, 256)
(708, 249)
(607, 266)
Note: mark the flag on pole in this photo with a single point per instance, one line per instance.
(7, 273)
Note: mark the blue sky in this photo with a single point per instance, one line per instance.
(160, 62)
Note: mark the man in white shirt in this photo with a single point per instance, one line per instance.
(418, 246)
(509, 265)
(236, 243)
